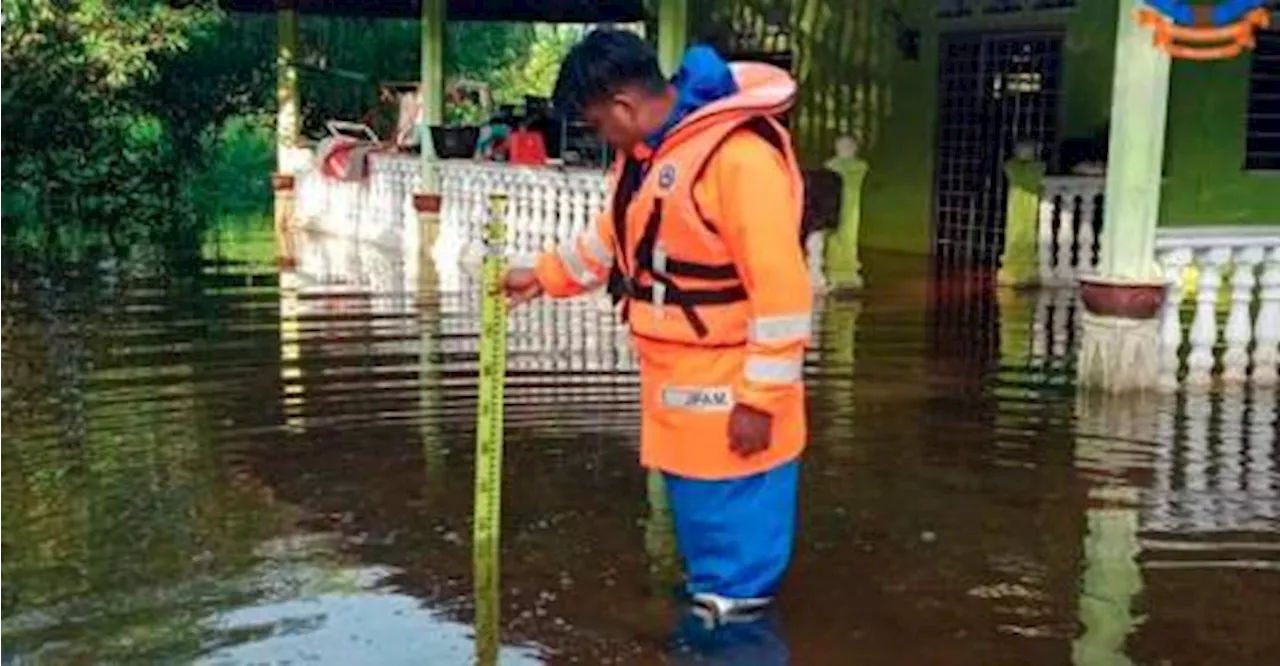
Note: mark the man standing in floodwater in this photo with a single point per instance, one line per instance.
(700, 243)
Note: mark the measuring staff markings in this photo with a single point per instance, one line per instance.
(487, 513)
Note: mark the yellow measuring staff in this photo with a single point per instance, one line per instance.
(493, 364)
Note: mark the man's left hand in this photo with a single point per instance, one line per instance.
(749, 430)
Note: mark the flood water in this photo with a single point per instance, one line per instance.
(248, 464)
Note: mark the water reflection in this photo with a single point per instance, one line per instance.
(755, 641)
(1111, 449)
(1175, 483)
(329, 612)
(258, 464)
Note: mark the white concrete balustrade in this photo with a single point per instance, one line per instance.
(1070, 219)
(547, 205)
(1212, 268)
(1221, 318)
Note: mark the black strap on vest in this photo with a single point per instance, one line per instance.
(628, 184)
(685, 299)
(624, 280)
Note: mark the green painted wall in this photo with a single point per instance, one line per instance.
(897, 199)
(1206, 183)
(899, 128)
(853, 80)
(1089, 53)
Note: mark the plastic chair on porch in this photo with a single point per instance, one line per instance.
(344, 154)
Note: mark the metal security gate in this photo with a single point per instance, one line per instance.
(994, 91)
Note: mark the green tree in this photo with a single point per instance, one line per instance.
(131, 120)
(534, 72)
(74, 137)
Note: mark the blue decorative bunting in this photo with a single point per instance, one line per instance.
(1222, 13)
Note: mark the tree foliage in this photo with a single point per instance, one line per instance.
(116, 111)
(75, 138)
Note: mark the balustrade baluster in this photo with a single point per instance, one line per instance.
(1048, 214)
(577, 213)
(483, 183)
(1204, 329)
(1174, 264)
(469, 184)
(550, 220)
(540, 183)
(513, 183)
(597, 191)
(533, 196)
(473, 183)
(564, 211)
(373, 213)
(1085, 234)
(1064, 269)
(565, 232)
(451, 206)
(1238, 332)
(533, 183)
(1266, 327)
(518, 225)
(398, 192)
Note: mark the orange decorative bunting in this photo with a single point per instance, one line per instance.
(1204, 43)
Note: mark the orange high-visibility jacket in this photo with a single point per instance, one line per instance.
(703, 239)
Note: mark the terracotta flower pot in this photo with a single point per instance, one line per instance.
(1116, 298)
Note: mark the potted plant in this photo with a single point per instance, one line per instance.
(467, 107)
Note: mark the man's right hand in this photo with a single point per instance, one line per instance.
(521, 285)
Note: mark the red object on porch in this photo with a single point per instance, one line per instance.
(528, 147)
(345, 159)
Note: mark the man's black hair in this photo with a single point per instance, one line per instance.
(602, 64)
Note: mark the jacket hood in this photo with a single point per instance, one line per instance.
(704, 77)
(704, 93)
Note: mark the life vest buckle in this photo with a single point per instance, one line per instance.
(660, 298)
(660, 260)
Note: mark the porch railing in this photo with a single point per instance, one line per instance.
(1070, 219)
(1221, 317)
(1210, 265)
(548, 205)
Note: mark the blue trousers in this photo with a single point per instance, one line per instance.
(735, 535)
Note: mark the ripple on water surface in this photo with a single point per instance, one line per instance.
(257, 465)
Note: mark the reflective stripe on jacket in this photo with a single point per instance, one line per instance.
(713, 278)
